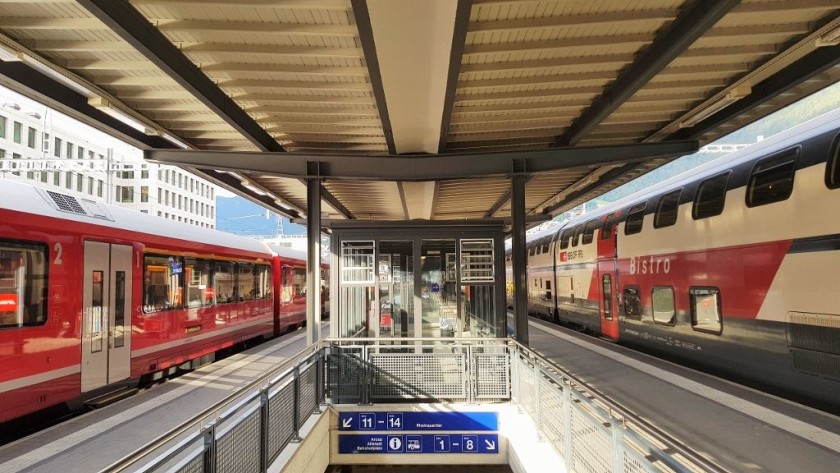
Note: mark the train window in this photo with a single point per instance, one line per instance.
(772, 179)
(606, 284)
(199, 287)
(606, 229)
(223, 282)
(635, 219)
(545, 245)
(245, 284)
(666, 211)
(663, 305)
(162, 283)
(263, 281)
(565, 237)
(23, 284)
(832, 170)
(299, 282)
(705, 309)
(632, 302)
(576, 237)
(710, 197)
(532, 250)
(589, 231)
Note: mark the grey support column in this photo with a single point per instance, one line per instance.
(313, 255)
(517, 210)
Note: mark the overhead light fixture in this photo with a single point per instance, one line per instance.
(8, 54)
(830, 37)
(253, 188)
(55, 74)
(731, 97)
(176, 141)
(107, 107)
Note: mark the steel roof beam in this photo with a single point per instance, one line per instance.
(135, 29)
(459, 39)
(422, 168)
(689, 25)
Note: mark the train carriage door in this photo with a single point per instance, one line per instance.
(106, 315)
(608, 276)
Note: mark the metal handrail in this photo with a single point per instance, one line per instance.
(196, 421)
(626, 415)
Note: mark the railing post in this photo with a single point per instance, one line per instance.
(472, 375)
(367, 379)
(567, 425)
(296, 414)
(617, 444)
(210, 448)
(537, 414)
(264, 427)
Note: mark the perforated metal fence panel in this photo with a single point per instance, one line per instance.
(591, 444)
(281, 419)
(239, 447)
(308, 391)
(492, 376)
(432, 375)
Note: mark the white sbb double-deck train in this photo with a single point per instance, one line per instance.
(732, 267)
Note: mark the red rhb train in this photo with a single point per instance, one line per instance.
(94, 297)
(731, 267)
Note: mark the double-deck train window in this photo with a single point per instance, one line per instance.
(23, 284)
(162, 283)
(565, 237)
(705, 309)
(606, 229)
(772, 179)
(576, 237)
(711, 195)
(635, 219)
(666, 211)
(632, 302)
(663, 305)
(589, 231)
(199, 287)
(832, 168)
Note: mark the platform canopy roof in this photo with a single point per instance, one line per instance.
(419, 109)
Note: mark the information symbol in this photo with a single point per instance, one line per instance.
(395, 444)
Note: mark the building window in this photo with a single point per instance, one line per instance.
(663, 305)
(56, 178)
(80, 152)
(144, 174)
(772, 179)
(17, 132)
(635, 219)
(69, 150)
(127, 194)
(46, 144)
(57, 150)
(15, 165)
(44, 176)
(99, 187)
(91, 155)
(711, 195)
(144, 193)
(90, 185)
(68, 183)
(80, 182)
(667, 210)
(705, 309)
(2, 126)
(32, 137)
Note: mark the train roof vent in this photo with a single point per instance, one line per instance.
(70, 204)
(96, 209)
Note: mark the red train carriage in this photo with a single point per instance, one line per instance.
(731, 267)
(95, 296)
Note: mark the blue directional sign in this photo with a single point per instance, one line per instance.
(419, 421)
(419, 443)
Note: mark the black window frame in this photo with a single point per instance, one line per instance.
(765, 174)
(698, 194)
(607, 226)
(673, 321)
(589, 231)
(565, 239)
(832, 166)
(625, 299)
(692, 293)
(577, 234)
(661, 211)
(630, 225)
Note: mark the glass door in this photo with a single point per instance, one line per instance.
(396, 288)
(438, 291)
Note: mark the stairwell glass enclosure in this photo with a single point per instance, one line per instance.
(418, 280)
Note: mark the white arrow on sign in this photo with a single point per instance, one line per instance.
(346, 422)
(491, 445)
